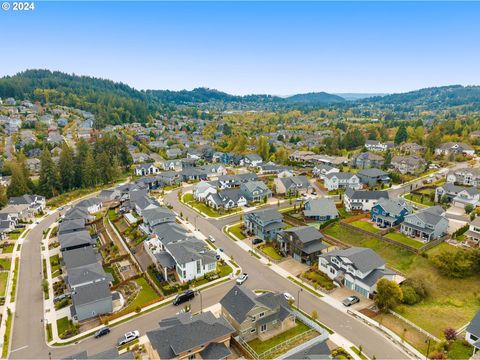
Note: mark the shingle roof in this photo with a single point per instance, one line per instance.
(474, 325)
(267, 214)
(364, 259)
(320, 207)
(90, 293)
(366, 194)
(306, 233)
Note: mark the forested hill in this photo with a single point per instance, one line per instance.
(111, 102)
(315, 98)
(465, 98)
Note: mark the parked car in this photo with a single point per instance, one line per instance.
(242, 278)
(102, 332)
(218, 257)
(181, 298)
(288, 296)
(349, 301)
(60, 297)
(128, 337)
(257, 241)
(211, 238)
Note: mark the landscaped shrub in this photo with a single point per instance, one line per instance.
(458, 263)
(450, 334)
(414, 291)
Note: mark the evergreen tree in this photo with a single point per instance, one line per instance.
(3, 196)
(401, 135)
(89, 171)
(18, 184)
(67, 168)
(49, 178)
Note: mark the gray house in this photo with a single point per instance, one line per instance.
(256, 316)
(292, 185)
(265, 224)
(322, 209)
(373, 176)
(472, 332)
(255, 191)
(428, 224)
(91, 300)
(303, 243)
(367, 160)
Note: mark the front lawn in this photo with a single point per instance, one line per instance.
(146, 294)
(271, 252)
(451, 302)
(399, 237)
(223, 270)
(237, 231)
(66, 328)
(367, 226)
(14, 235)
(203, 208)
(319, 279)
(3, 282)
(188, 198)
(261, 346)
(8, 248)
(460, 350)
(420, 199)
(55, 265)
(5, 264)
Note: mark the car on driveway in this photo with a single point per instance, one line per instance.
(288, 296)
(257, 241)
(349, 301)
(102, 332)
(128, 337)
(242, 278)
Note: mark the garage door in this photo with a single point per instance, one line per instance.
(361, 291)
(348, 284)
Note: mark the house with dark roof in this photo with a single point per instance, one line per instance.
(71, 226)
(472, 332)
(355, 268)
(74, 240)
(264, 224)
(458, 195)
(251, 160)
(324, 169)
(292, 185)
(226, 199)
(109, 354)
(322, 209)
(256, 316)
(362, 200)
(146, 169)
(473, 232)
(454, 148)
(465, 176)
(255, 191)
(367, 160)
(373, 177)
(156, 216)
(201, 336)
(408, 164)
(92, 205)
(427, 224)
(390, 212)
(302, 243)
(35, 203)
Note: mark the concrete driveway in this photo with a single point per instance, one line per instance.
(342, 293)
(294, 267)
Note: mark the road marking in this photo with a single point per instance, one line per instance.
(20, 348)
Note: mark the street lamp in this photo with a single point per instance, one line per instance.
(298, 298)
(428, 347)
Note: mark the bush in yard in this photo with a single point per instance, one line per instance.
(458, 263)
(468, 208)
(414, 291)
(436, 355)
(389, 294)
(450, 334)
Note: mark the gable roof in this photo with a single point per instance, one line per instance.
(366, 194)
(320, 207)
(305, 233)
(474, 326)
(363, 259)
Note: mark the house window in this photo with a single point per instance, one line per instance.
(263, 328)
(191, 357)
(252, 330)
(199, 267)
(262, 314)
(253, 318)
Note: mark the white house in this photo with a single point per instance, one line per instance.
(322, 170)
(146, 169)
(341, 180)
(203, 189)
(472, 332)
(356, 200)
(355, 268)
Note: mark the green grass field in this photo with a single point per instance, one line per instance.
(271, 252)
(55, 265)
(418, 199)
(145, 295)
(3, 282)
(451, 302)
(399, 237)
(367, 226)
(5, 264)
(236, 230)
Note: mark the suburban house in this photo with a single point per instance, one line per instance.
(92, 205)
(375, 145)
(465, 176)
(292, 185)
(256, 316)
(427, 224)
(473, 232)
(472, 332)
(322, 209)
(252, 160)
(356, 200)
(264, 224)
(412, 149)
(7, 223)
(75, 240)
(356, 268)
(367, 160)
(390, 212)
(255, 191)
(322, 170)
(107, 354)
(226, 199)
(156, 216)
(409, 164)
(454, 148)
(193, 174)
(146, 169)
(187, 336)
(458, 195)
(271, 168)
(341, 180)
(373, 176)
(203, 189)
(214, 170)
(302, 243)
(35, 203)
(70, 226)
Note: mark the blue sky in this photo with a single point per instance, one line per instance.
(251, 47)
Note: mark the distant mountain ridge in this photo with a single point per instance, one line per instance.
(315, 98)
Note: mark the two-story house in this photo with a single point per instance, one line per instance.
(458, 195)
(373, 177)
(465, 176)
(256, 316)
(322, 170)
(156, 216)
(362, 200)
(226, 199)
(390, 212)
(204, 188)
(427, 224)
(473, 232)
(182, 337)
(375, 145)
(355, 268)
(292, 185)
(454, 148)
(255, 191)
(408, 164)
(341, 180)
(472, 332)
(367, 160)
(264, 223)
(146, 169)
(322, 209)
(302, 243)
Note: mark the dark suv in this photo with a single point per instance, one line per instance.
(181, 298)
(102, 332)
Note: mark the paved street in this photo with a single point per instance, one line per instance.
(28, 331)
